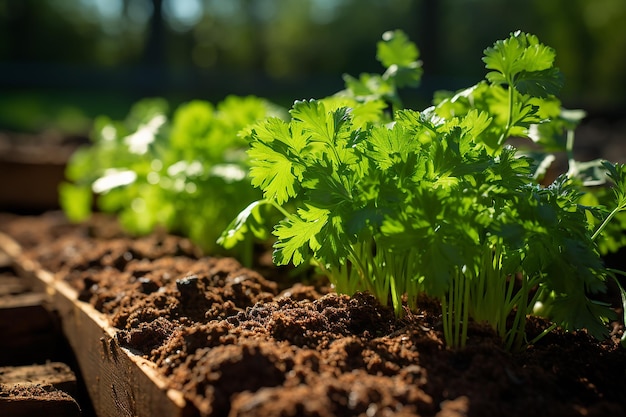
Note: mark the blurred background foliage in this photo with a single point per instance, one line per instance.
(64, 61)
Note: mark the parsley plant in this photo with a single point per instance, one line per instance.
(434, 202)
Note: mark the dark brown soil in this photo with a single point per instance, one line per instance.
(240, 343)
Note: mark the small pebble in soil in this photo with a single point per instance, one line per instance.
(148, 286)
(188, 287)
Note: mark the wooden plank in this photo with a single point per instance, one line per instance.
(29, 331)
(5, 260)
(11, 285)
(55, 374)
(25, 324)
(119, 383)
(37, 400)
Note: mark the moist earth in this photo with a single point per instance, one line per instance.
(259, 342)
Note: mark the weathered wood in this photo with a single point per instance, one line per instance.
(36, 400)
(119, 383)
(11, 285)
(38, 390)
(55, 374)
(24, 301)
(5, 260)
(29, 331)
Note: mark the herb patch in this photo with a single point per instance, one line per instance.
(452, 259)
(434, 203)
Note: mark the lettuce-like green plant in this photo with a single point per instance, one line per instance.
(186, 173)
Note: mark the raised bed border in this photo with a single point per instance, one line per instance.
(119, 382)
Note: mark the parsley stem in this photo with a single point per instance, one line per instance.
(277, 207)
(455, 308)
(543, 333)
(606, 221)
(569, 148)
(509, 121)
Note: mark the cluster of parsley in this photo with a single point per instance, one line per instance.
(186, 173)
(398, 202)
(434, 202)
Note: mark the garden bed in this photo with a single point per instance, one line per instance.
(159, 329)
(31, 168)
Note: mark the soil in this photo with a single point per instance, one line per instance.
(244, 342)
